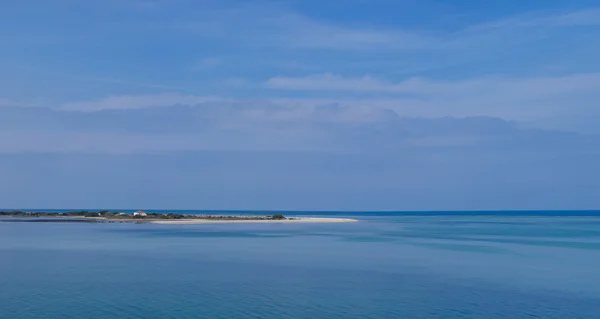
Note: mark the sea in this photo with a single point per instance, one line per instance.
(503, 264)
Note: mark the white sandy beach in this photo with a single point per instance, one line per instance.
(295, 220)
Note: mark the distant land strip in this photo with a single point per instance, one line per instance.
(159, 218)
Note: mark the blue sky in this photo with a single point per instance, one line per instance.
(304, 105)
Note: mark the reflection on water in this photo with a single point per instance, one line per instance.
(386, 266)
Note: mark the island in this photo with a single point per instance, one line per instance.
(161, 218)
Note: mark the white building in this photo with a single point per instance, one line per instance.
(140, 213)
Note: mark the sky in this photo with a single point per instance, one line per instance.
(300, 104)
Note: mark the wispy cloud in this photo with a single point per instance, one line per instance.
(252, 125)
(304, 99)
(529, 99)
(268, 25)
(568, 84)
(136, 102)
(332, 82)
(515, 98)
(586, 17)
(128, 83)
(548, 85)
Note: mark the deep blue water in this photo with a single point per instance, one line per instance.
(388, 265)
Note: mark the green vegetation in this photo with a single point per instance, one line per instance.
(108, 215)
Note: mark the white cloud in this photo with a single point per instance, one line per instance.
(300, 31)
(590, 17)
(356, 126)
(529, 99)
(586, 17)
(277, 26)
(586, 82)
(135, 84)
(526, 98)
(268, 25)
(136, 102)
(332, 82)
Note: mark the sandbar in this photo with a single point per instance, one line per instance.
(291, 220)
(164, 218)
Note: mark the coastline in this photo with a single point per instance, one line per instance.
(184, 221)
(293, 220)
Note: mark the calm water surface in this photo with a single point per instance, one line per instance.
(386, 266)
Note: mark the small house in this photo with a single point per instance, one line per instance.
(139, 213)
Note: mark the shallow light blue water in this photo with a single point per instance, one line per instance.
(429, 265)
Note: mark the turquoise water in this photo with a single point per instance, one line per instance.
(388, 265)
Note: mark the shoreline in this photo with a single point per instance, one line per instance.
(224, 221)
(184, 221)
